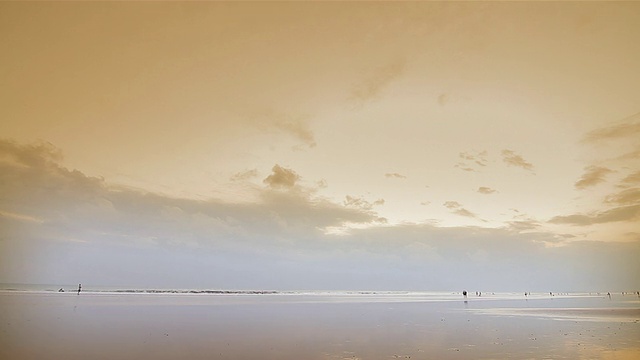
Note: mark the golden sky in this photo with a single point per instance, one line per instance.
(335, 130)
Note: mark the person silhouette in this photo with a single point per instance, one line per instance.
(79, 288)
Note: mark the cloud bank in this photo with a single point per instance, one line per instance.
(62, 226)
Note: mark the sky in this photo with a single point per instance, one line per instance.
(490, 146)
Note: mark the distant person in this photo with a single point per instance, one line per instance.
(609, 295)
(61, 290)
(79, 288)
(464, 293)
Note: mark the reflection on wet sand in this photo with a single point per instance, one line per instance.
(132, 326)
(575, 314)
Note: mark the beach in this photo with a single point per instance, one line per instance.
(317, 325)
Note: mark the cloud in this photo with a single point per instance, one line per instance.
(69, 204)
(509, 259)
(359, 202)
(464, 167)
(56, 224)
(298, 129)
(472, 161)
(632, 155)
(21, 217)
(625, 197)
(38, 154)
(372, 86)
(281, 177)
(593, 175)
(628, 128)
(632, 179)
(457, 209)
(395, 175)
(245, 175)
(523, 225)
(486, 190)
(622, 213)
(513, 159)
(295, 125)
(443, 99)
(452, 205)
(322, 184)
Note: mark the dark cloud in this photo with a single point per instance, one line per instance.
(513, 159)
(281, 177)
(395, 175)
(593, 175)
(486, 190)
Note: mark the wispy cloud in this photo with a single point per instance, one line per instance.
(298, 129)
(593, 175)
(295, 125)
(21, 217)
(443, 99)
(623, 213)
(244, 175)
(374, 83)
(513, 159)
(359, 202)
(632, 179)
(395, 175)
(625, 197)
(627, 128)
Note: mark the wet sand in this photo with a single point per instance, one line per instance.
(163, 326)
